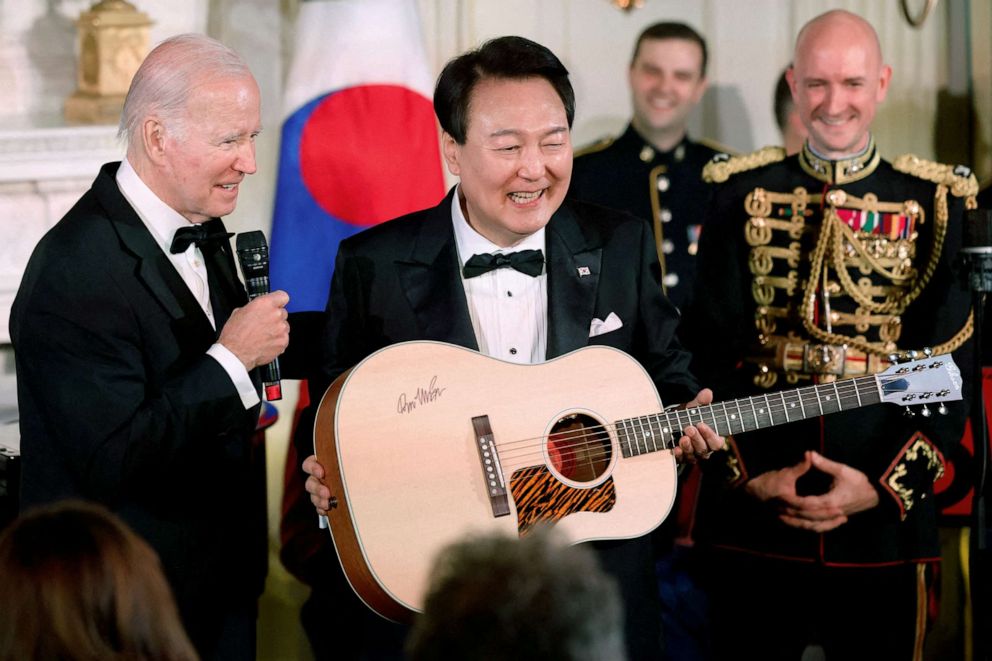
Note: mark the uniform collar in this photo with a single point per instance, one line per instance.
(842, 171)
(647, 152)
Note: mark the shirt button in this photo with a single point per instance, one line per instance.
(671, 279)
(663, 184)
(665, 215)
(513, 352)
(510, 294)
(667, 246)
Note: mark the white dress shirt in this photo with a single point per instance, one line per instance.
(509, 309)
(163, 221)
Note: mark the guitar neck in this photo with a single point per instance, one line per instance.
(660, 431)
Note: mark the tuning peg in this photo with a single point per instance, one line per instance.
(925, 411)
(908, 412)
(894, 358)
(927, 351)
(912, 354)
(942, 409)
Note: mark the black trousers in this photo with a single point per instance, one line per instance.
(772, 609)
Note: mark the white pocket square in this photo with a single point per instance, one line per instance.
(600, 326)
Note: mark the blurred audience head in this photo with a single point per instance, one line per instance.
(497, 597)
(79, 585)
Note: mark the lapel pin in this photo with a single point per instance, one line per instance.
(583, 271)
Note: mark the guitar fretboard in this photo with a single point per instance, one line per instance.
(659, 431)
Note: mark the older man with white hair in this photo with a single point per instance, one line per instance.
(137, 348)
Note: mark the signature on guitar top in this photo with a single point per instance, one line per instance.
(426, 442)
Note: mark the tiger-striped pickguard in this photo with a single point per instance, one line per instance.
(540, 497)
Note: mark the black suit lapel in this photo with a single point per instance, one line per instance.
(573, 278)
(153, 267)
(432, 284)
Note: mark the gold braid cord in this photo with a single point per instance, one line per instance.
(721, 168)
(832, 234)
(960, 180)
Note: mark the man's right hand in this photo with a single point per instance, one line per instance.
(258, 332)
(320, 495)
(778, 487)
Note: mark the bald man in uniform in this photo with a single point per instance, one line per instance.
(818, 266)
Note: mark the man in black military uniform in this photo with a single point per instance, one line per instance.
(817, 267)
(654, 170)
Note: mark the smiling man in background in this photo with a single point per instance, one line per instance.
(654, 170)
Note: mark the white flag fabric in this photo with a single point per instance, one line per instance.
(359, 138)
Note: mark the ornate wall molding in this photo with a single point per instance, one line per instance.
(57, 152)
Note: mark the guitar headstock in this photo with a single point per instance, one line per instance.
(921, 381)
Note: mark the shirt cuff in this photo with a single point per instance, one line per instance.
(239, 375)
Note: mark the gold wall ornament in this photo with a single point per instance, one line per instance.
(627, 5)
(112, 43)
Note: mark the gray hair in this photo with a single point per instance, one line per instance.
(495, 597)
(164, 80)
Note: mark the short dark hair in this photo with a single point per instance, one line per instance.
(671, 30)
(497, 597)
(783, 100)
(512, 58)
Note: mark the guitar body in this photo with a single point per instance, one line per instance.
(396, 437)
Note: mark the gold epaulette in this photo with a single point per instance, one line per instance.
(716, 146)
(723, 166)
(599, 145)
(959, 179)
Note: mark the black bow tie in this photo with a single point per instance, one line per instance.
(203, 234)
(530, 262)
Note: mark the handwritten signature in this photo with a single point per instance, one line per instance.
(423, 396)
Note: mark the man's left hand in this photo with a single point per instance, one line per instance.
(698, 441)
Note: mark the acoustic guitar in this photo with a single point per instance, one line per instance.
(424, 443)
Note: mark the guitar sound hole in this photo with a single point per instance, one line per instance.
(579, 448)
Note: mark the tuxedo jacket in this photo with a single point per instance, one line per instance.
(120, 404)
(401, 281)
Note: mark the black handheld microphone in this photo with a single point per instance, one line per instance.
(253, 254)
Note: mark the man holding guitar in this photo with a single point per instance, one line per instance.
(818, 267)
(506, 266)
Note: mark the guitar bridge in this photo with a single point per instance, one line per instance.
(492, 472)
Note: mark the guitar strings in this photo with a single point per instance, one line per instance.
(726, 414)
(711, 413)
